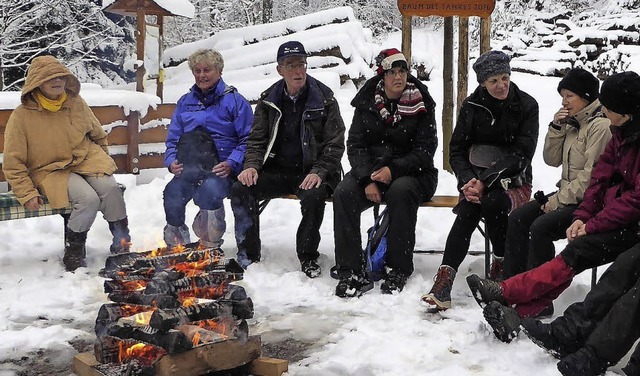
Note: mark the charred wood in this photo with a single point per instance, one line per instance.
(173, 341)
(164, 286)
(140, 298)
(164, 319)
(110, 349)
(111, 312)
(133, 368)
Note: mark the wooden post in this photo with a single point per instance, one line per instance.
(141, 33)
(133, 128)
(485, 34)
(406, 39)
(447, 94)
(463, 60)
(160, 79)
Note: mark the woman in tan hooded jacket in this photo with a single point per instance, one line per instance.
(54, 146)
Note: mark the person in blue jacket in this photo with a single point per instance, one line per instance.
(205, 148)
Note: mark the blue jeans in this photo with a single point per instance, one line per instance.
(207, 193)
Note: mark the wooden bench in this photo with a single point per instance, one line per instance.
(440, 201)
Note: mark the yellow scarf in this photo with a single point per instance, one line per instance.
(52, 105)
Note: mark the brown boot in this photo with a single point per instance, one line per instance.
(74, 250)
(440, 294)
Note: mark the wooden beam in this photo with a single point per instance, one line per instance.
(447, 89)
(485, 35)
(160, 79)
(133, 156)
(463, 61)
(268, 367)
(406, 39)
(141, 31)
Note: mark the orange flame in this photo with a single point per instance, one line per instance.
(138, 351)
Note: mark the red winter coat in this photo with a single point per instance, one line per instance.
(612, 200)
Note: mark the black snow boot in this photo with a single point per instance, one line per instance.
(504, 321)
(542, 335)
(121, 238)
(394, 281)
(485, 291)
(352, 284)
(74, 251)
(584, 362)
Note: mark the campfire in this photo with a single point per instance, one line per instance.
(172, 311)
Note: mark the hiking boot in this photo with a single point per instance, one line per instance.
(311, 268)
(484, 290)
(504, 321)
(542, 335)
(74, 251)
(440, 294)
(584, 362)
(496, 271)
(352, 285)
(176, 235)
(395, 281)
(121, 241)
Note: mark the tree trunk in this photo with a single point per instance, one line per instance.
(267, 11)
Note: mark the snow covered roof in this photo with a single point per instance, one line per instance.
(182, 8)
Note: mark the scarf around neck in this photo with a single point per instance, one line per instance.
(409, 104)
(52, 105)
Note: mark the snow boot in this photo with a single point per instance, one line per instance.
(394, 281)
(440, 294)
(311, 268)
(176, 235)
(74, 251)
(504, 321)
(352, 284)
(121, 241)
(209, 226)
(584, 362)
(542, 335)
(485, 291)
(496, 271)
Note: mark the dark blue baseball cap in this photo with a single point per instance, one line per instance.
(291, 48)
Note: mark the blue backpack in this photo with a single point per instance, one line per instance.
(376, 249)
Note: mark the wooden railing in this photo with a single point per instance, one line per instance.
(125, 133)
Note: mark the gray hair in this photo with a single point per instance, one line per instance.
(209, 57)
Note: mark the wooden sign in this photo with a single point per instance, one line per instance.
(446, 8)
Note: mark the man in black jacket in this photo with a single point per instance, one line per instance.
(295, 147)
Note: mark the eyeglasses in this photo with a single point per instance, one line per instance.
(399, 72)
(294, 66)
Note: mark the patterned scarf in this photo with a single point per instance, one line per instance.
(52, 105)
(410, 103)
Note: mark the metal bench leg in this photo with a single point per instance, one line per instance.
(487, 252)
(65, 217)
(594, 277)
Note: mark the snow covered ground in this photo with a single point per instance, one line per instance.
(44, 309)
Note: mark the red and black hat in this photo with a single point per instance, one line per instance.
(390, 58)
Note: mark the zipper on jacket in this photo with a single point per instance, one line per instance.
(493, 120)
(275, 131)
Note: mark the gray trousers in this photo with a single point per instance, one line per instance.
(88, 194)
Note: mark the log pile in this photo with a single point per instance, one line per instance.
(166, 303)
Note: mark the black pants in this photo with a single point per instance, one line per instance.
(403, 197)
(530, 236)
(244, 202)
(494, 208)
(608, 319)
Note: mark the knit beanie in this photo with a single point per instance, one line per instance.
(620, 93)
(390, 58)
(490, 64)
(581, 82)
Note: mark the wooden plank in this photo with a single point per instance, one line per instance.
(268, 367)
(108, 114)
(83, 364)
(219, 356)
(153, 135)
(164, 111)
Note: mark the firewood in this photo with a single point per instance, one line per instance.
(140, 298)
(108, 349)
(164, 319)
(173, 341)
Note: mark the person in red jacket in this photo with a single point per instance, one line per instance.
(605, 224)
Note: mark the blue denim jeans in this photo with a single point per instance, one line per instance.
(207, 193)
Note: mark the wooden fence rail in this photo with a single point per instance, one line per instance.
(128, 135)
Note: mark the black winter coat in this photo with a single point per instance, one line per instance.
(322, 131)
(406, 147)
(511, 124)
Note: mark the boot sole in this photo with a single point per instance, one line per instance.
(431, 300)
(475, 283)
(503, 326)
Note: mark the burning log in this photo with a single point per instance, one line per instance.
(110, 349)
(173, 341)
(163, 286)
(112, 312)
(140, 298)
(164, 320)
(202, 332)
(224, 291)
(118, 285)
(187, 269)
(121, 260)
(167, 261)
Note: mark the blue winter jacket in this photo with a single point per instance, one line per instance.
(223, 112)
